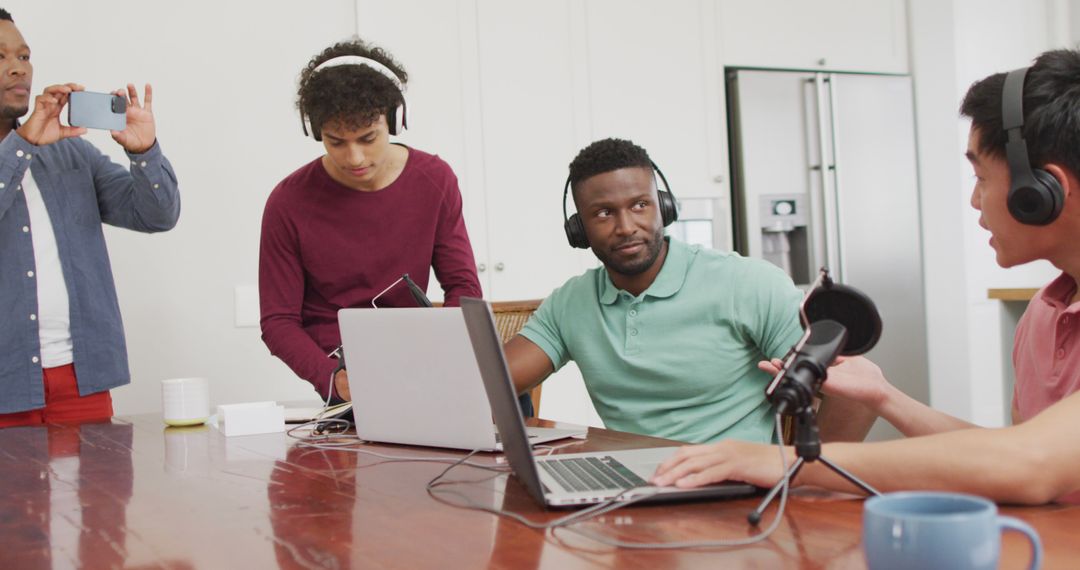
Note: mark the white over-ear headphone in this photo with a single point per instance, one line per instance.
(396, 119)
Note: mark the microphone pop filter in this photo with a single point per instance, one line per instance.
(851, 308)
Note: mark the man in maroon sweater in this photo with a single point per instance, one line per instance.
(343, 227)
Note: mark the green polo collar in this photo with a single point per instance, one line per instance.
(668, 282)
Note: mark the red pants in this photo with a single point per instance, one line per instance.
(62, 402)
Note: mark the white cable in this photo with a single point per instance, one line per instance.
(319, 442)
(617, 502)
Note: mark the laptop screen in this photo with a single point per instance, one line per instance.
(501, 394)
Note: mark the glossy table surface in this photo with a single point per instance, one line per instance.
(134, 494)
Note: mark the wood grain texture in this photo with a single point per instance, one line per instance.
(133, 493)
(1022, 294)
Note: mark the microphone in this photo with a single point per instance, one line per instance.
(414, 289)
(801, 379)
(838, 319)
(417, 292)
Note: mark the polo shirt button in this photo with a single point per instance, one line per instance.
(29, 273)
(143, 164)
(33, 317)
(27, 156)
(1061, 353)
(26, 229)
(34, 360)
(19, 154)
(633, 332)
(156, 186)
(2, 185)
(633, 313)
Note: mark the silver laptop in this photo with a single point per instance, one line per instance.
(567, 478)
(414, 380)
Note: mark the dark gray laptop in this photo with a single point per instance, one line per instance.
(568, 478)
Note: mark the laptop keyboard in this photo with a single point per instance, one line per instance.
(591, 474)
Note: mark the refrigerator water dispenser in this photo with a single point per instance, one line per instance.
(784, 236)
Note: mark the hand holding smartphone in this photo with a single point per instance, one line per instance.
(129, 120)
(97, 110)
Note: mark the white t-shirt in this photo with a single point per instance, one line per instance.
(54, 320)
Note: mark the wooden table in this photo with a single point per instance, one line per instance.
(133, 493)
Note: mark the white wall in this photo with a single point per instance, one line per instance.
(934, 67)
(224, 75)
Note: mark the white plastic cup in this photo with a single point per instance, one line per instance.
(185, 401)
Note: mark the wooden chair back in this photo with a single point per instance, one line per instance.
(510, 317)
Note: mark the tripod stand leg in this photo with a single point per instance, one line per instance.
(755, 516)
(851, 478)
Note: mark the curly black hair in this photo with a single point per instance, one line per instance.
(1051, 111)
(352, 95)
(604, 156)
(5, 16)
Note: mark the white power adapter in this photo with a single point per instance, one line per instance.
(251, 418)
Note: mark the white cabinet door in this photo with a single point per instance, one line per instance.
(528, 125)
(438, 52)
(655, 77)
(849, 35)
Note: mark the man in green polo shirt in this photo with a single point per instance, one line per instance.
(667, 335)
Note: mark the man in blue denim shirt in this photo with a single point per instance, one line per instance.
(57, 298)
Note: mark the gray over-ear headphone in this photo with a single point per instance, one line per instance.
(396, 119)
(1035, 196)
(575, 228)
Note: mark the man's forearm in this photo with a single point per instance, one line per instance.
(913, 418)
(995, 463)
(842, 419)
(528, 363)
(293, 346)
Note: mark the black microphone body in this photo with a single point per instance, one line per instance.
(809, 367)
(417, 292)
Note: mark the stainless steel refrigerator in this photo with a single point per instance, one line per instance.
(824, 173)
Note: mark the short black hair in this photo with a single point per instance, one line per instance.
(1051, 111)
(5, 16)
(354, 95)
(604, 156)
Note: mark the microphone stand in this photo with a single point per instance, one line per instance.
(807, 449)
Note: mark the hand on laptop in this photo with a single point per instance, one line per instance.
(734, 460)
(341, 385)
(852, 377)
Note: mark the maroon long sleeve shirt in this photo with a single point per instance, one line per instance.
(325, 247)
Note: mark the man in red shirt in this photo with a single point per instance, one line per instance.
(1025, 149)
(345, 226)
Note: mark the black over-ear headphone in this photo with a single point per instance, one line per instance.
(575, 228)
(1035, 196)
(397, 119)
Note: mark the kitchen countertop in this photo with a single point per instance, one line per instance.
(1012, 294)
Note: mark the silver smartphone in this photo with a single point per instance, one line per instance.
(97, 110)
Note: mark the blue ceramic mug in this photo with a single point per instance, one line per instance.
(929, 530)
